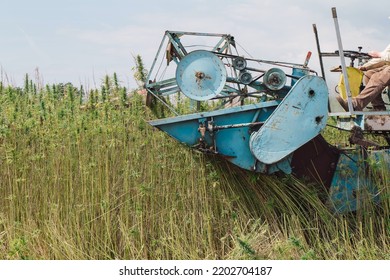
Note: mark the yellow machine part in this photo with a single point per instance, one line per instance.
(355, 77)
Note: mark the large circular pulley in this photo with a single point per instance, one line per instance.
(201, 75)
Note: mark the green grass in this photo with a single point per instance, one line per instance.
(83, 176)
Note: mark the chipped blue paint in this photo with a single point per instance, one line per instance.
(227, 132)
(352, 186)
(299, 118)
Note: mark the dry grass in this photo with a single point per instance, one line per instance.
(100, 183)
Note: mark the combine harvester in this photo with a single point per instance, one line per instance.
(267, 121)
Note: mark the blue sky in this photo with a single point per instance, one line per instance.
(80, 41)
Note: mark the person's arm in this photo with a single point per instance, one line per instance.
(372, 64)
(378, 59)
(385, 55)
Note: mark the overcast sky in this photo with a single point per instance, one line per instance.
(80, 41)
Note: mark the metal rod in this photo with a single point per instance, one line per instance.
(256, 116)
(342, 59)
(162, 84)
(367, 113)
(319, 51)
(218, 44)
(177, 45)
(320, 54)
(279, 63)
(163, 102)
(155, 59)
(199, 33)
(327, 54)
(169, 91)
(219, 127)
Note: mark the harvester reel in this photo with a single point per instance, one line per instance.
(201, 75)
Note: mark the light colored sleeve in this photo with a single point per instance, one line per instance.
(385, 55)
(374, 63)
(380, 61)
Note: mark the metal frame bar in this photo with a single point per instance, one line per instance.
(342, 60)
(208, 114)
(180, 49)
(319, 51)
(155, 59)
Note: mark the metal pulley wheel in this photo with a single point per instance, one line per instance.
(245, 77)
(274, 79)
(201, 75)
(239, 63)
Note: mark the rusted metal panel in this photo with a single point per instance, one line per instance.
(316, 161)
(377, 123)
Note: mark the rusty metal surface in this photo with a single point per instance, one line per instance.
(316, 161)
(377, 123)
(357, 137)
